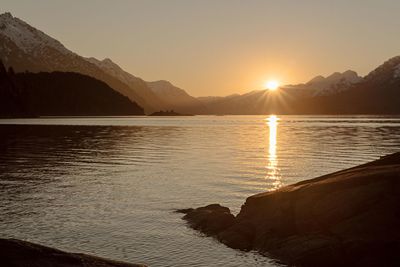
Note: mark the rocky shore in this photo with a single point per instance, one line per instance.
(347, 218)
(18, 253)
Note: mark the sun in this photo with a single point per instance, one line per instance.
(271, 85)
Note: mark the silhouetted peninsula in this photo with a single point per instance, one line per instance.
(347, 218)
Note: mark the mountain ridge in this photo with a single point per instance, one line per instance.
(145, 96)
(332, 84)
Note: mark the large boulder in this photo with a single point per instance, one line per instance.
(347, 218)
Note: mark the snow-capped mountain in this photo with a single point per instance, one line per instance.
(26, 48)
(388, 72)
(397, 72)
(27, 38)
(377, 93)
(335, 83)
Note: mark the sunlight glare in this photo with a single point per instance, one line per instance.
(273, 171)
(272, 85)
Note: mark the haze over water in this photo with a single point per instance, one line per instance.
(109, 186)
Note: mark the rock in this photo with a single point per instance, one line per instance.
(347, 218)
(17, 253)
(184, 211)
(239, 236)
(211, 219)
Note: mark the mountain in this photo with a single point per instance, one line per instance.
(387, 73)
(145, 96)
(28, 49)
(377, 93)
(153, 96)
(177, 98)
(333, 84)
(59, 94)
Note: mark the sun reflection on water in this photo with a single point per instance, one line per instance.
(272, 167)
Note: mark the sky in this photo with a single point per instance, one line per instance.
(221, 47)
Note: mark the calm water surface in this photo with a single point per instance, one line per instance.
(109, 186)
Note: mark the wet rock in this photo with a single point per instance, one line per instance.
(18, 253)
(211, 219)
(184, 211)
(238, 236)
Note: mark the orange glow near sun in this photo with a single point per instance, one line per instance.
(271, 85)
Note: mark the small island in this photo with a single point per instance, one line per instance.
(168, 113)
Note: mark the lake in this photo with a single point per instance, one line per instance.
(109, 186)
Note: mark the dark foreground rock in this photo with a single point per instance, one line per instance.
(17, 253)
(347, 218)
